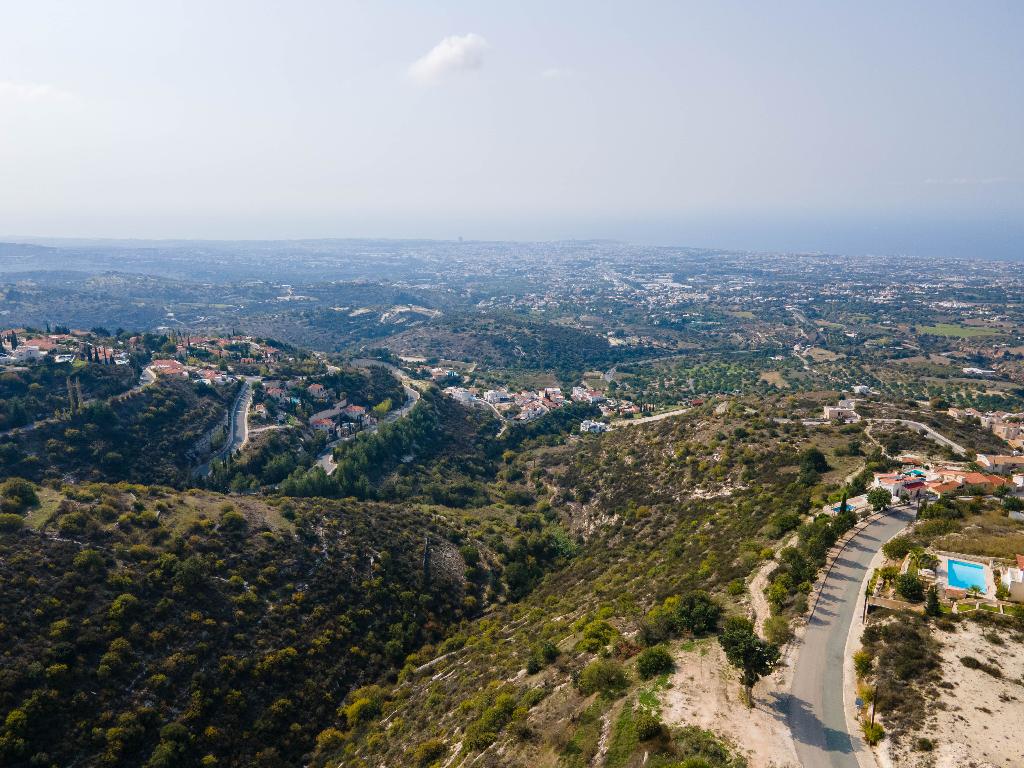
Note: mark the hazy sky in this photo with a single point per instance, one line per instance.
(754, 124)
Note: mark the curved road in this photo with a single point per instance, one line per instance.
(925, 429)
(412, 396)
(816, 716)
(238, 426)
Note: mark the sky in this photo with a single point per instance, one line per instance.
(849, 127)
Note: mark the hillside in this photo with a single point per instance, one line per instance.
(149, 437)
(146, 627)
(655, 516)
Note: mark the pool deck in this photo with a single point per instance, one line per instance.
(942, 572)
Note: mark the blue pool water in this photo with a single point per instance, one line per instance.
(965, 575)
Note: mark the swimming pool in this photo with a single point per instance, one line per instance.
(965, 575)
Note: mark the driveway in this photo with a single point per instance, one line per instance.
(815, 712)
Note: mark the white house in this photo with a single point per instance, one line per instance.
(25, 352)
(841, 412)
(1013, 580)
(1001, 465)
(899, 484)
(593, 426)
(494, 396)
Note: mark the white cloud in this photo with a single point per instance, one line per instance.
(20, 91)
(458, 53)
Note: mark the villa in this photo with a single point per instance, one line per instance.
(1001, 465)
(900, 483)
(842, 412)
(1013, 580)
(169, 367)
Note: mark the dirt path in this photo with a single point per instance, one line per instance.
(705, 691)
(758, 602)
(647, 419)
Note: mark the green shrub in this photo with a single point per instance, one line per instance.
(777, 630)
(330, 740)
(910, 587)
(541, 655)
(428, 752)
(873, 732)
(654, 661)
(17, 496)
(596, 635)
(898, 548)
(603, 676)
(10, 522)
(482, 732)
(862, 661)
(647, 726)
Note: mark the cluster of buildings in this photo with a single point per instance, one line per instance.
(529, 404)
(915, 482)
(200, 374)
(340, 419)
(1006, 426)
(244, 350)
(19, 348)
(532, 404)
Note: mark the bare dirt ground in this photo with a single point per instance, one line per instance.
(705, 691)
(976, 722)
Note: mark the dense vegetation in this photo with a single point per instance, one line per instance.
(142, 627)
(514, 341)
(40, 391)
(150, 437)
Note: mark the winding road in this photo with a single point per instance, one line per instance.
(816, 715)
(412, 396)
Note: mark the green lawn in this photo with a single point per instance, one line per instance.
(48, 501)
(959, 331)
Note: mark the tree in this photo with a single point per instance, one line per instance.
(751, 655)
(698, 613)
(813, 460)
(654, 661)
(931, 602)
(879, 498)
(603, 676)
(17, 496)
(910, 587)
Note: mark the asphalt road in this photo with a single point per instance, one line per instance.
(936, 436)
(816, 717)
(238, 426)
